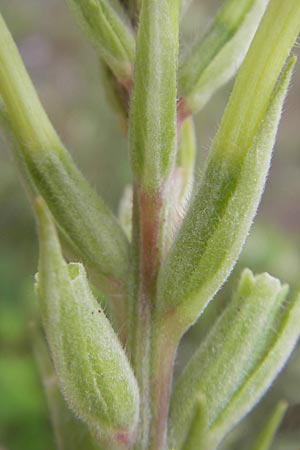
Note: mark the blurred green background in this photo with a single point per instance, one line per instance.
(65, 72)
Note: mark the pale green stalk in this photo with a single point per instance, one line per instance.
(152, 138)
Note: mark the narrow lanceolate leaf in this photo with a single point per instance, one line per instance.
(87, 224)
(92, 368)
(246, 348)
(109, 32)
(16, 152)
(217, 56)
(153, 109)
(70, 433)
(225, 202)
(267, 434)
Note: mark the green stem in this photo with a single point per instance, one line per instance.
(146, 231)
(164, 347)
(153, 344)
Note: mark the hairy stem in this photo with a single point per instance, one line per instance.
(153, 343)
(146, 231)
(164, 347)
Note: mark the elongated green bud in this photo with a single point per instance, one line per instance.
(110, 34)
(267, 434)
(246, 348)
(226, 200)
(92, 368)
(153, 109)
(70, 433)
(218, 55)
(87, 224)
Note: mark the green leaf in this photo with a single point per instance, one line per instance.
(217, 56)
(93, 371)
(198, 430)
(70, 433)
(246, 349)
(108, 30)
(153, 108)
(225, 202)
(267, 434)
(87, 224)
(17, 155)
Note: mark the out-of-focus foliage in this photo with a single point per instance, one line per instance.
(66, 74)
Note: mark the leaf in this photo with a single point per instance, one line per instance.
(93, 371)
(153, 109)
(225, 202)
(238, 361)
(199, 426)
(108, 31)
(87, 224)
(17, 155)
(266, 436)
(215, 59)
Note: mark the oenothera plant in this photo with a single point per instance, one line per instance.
(176, 240)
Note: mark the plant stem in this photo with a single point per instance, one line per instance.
(164, 346)
(146, 231)
(153, 343)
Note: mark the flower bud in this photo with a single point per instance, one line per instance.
(238, 360)
(93, 371)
